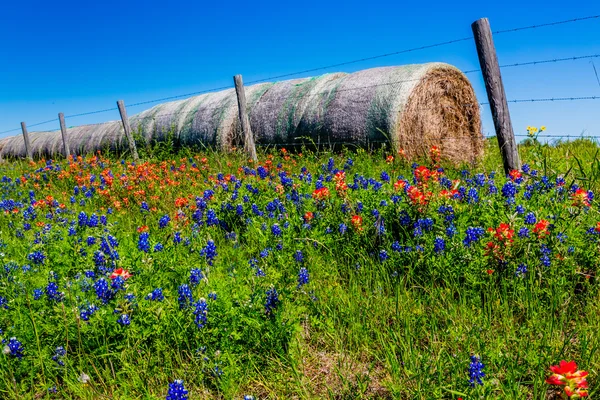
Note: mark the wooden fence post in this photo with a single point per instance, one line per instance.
(496, 95)
(63, 132)
(249, 146)
(27, 142)
(127, 129)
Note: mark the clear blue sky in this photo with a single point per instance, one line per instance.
(76, 57)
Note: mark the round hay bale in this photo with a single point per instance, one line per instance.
(413, 107)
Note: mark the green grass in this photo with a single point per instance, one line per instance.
(400, 328)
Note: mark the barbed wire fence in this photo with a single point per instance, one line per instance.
(140, 119)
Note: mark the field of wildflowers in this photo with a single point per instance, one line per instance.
(351, 274)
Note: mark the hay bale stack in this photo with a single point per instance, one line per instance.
(414, 107)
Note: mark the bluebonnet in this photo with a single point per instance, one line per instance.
(476, 371)
(439, 245)
(383, 255)
(276, 230)
(185, 296)
(158, 247)
(124, 320)
(163, 221)
(91, 240)
(37, 294)
(545, 257)
(342, 228)
(509, 190)
(118, 283)
(303, 277)
(523, 232)
(155, 295)
(196, 276)
(177, 391)
(209, 251)
(212, 296)
(521, 270)
(14, 348)
(93, 221)
(177, 238)
(396, 247)
(473, 235)
(59, 353)
(103, 291)
(520, 209)
(53, 293)
(272, 300)
(143, 243)
(82, 219)
(472, 196)
(298, 256)
(530, 218)
(36, 257)
(86, 311)
(211, 217)
(201, 313)
(451, 230)
(3, 303)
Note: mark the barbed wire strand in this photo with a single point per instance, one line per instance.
(553, 60)
(549, 99)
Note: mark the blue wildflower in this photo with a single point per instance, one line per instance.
(177, 391)
(303, 277)
(272, 300)
(155, 295)
(476, 371)
(201, 313)
(185, 296)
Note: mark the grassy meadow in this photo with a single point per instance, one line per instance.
(316, 274)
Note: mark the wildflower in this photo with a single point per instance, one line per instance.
(53, 293)
(14, 348)
(473, 235)
(521, 270)
(196, 276)
(357, 222)
(523, 233)
(177, 391)
(515, 176)
(298, 256)
(201, 313)
(581, 198)
(303, 277)
(209, 251)
(103, 291)
(574, 381)
(37, 257)
(276, 230)
(185, 296)
(155, 295)
(124, 320)
(383, 255)
(143, 243)
(509, 190)
(163, 221)
(439, 245)
(476, 371)
(503, 233)
(308, 216)
(272, 301)
(321, 194)
(541, 228)
(123, 273)
(37, 294)
(530, 218)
